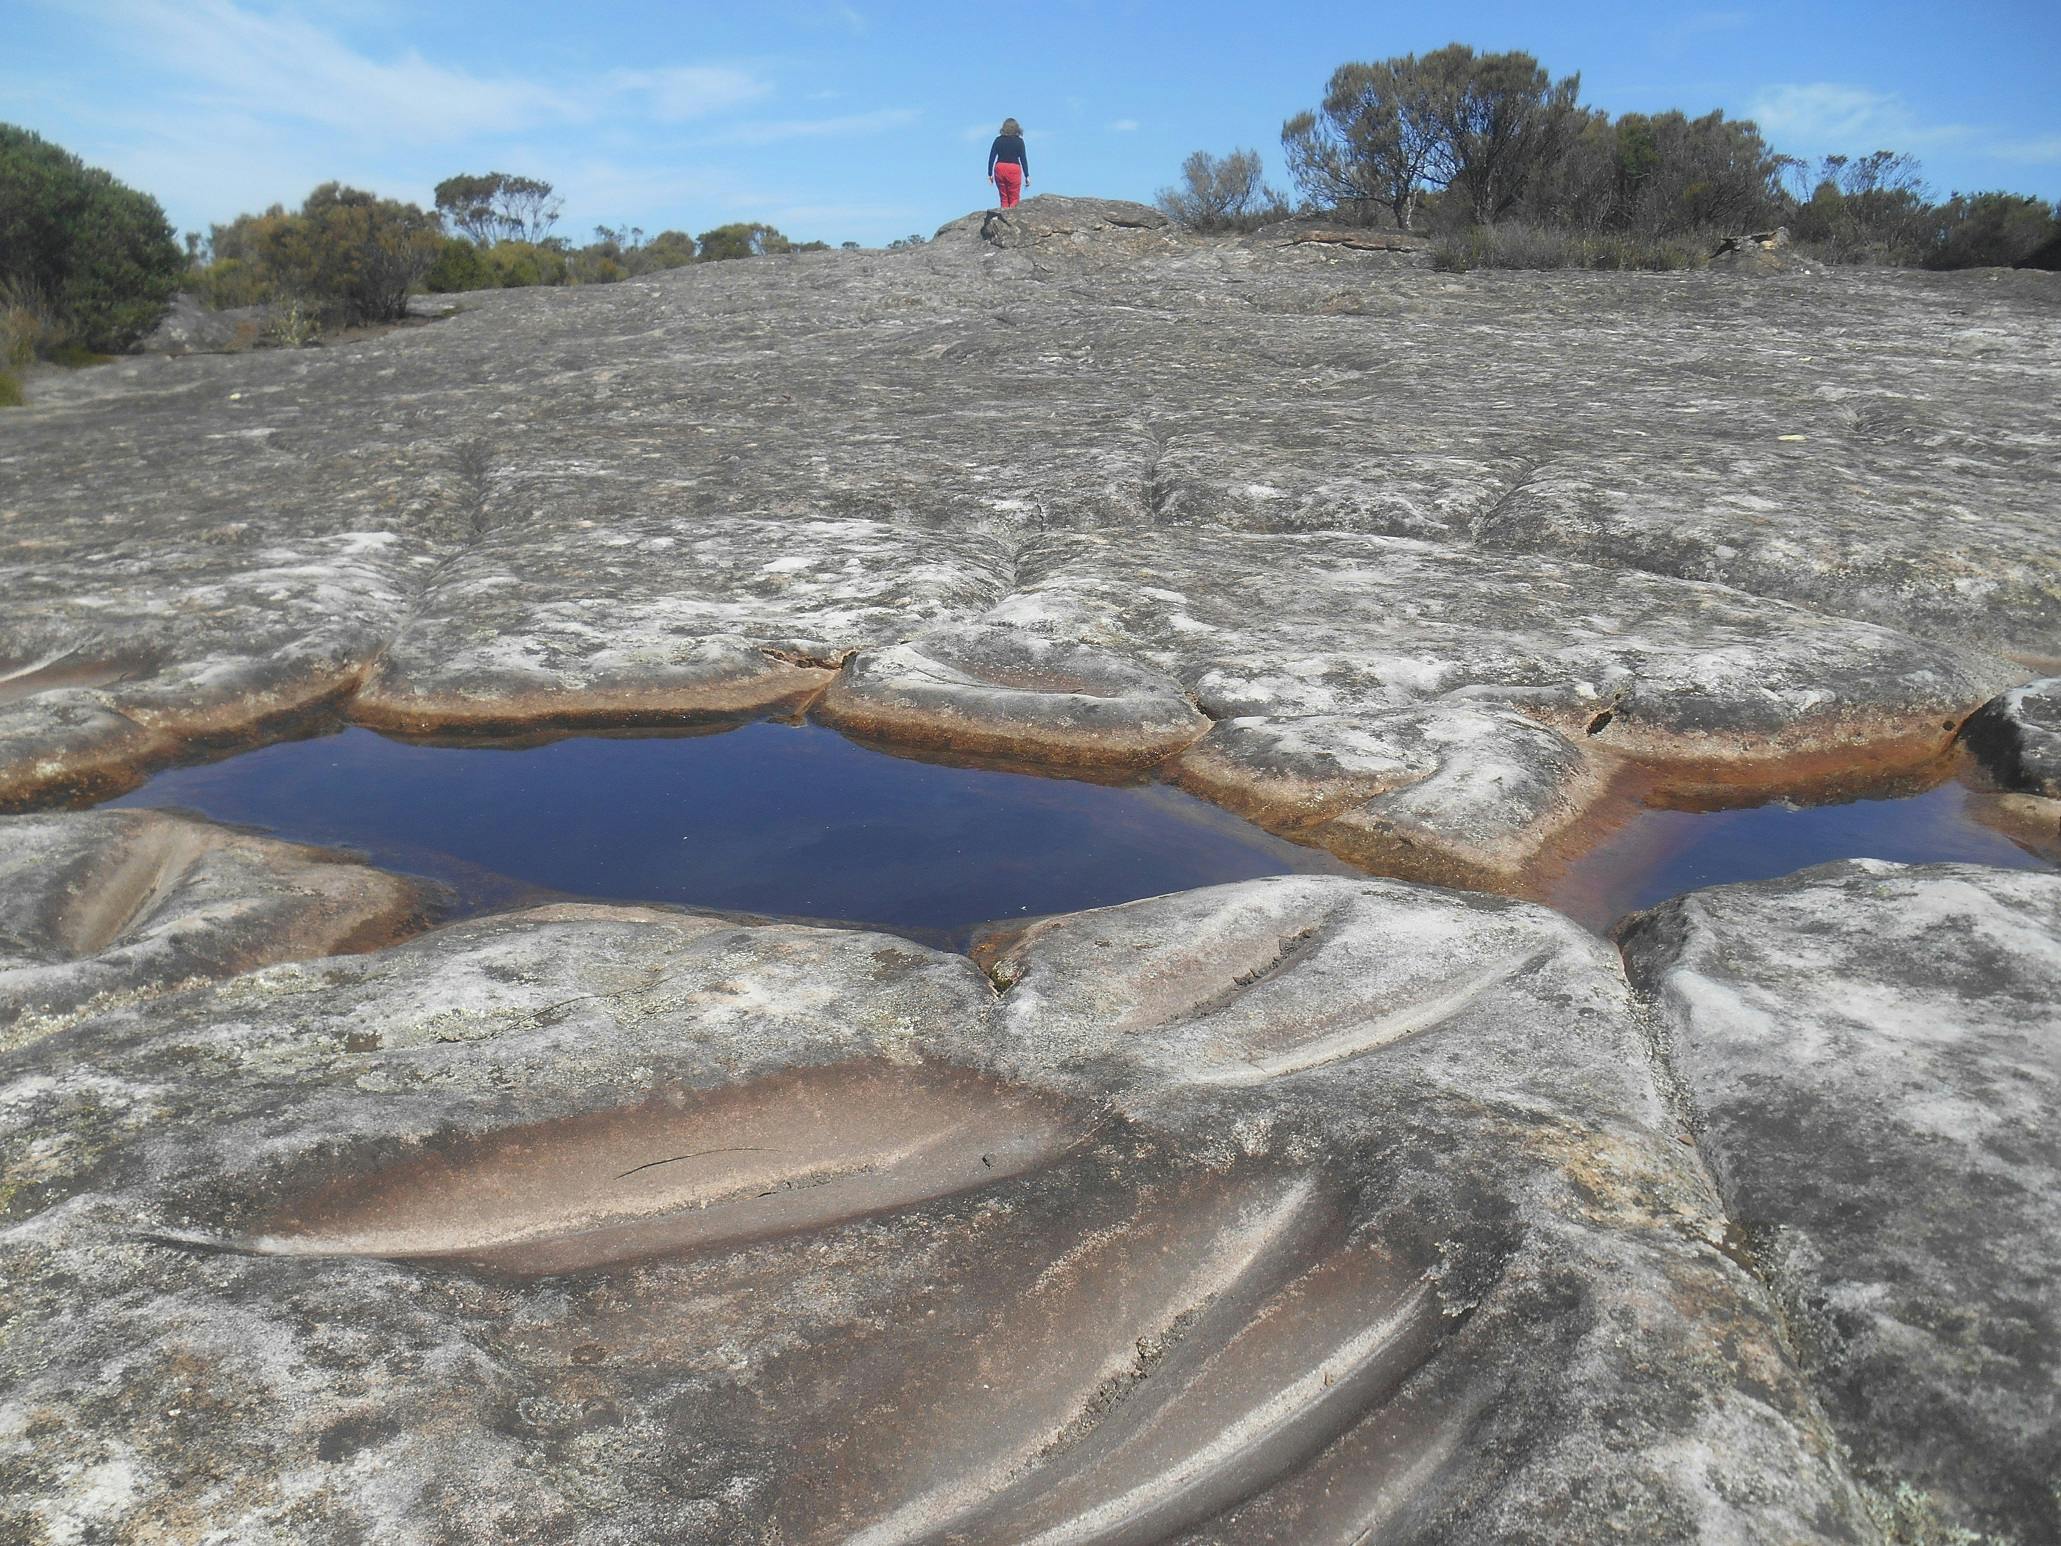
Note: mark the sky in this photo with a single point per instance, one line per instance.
(863, 120)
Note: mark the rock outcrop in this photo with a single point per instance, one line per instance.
(1869, 1056)
(2018, 737)
(1308, 1209)
(1266, 476)
(1287, 1210)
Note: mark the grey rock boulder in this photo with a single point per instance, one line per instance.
(1872, 1059)
(1292, 625)
(1294, 480)
(2017, 735)
(1449, 793)
(1055, 229)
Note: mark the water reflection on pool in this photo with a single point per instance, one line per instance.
(766, 818)
(796, 820)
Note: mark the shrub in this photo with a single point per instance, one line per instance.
(228, 283)
(1866, 210)
(668, 249)
(1221, 193)
(28, 325)
(459, 266)
(518, 265)
(352, 256)
(10, 390)
(292, 325)
(101, 253)
(345, 256)
(742, 240)
(1990, 230)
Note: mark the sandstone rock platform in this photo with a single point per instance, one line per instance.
(1309, 1209)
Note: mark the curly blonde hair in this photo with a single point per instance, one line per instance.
(1011, 126)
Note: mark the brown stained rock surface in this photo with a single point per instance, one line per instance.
(1307, 1210)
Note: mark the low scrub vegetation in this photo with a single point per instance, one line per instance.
(87, 265)
(347, 257)
(1222, 193)
(1502, 165)
(1515, 244)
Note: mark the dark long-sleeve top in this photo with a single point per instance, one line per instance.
(1008, 147)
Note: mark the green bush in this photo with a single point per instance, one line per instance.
(353, 256)
(517, 265)
(345, 256)
(458, 267)
(228, 283)
(668, 249)
(594, 266)
(1990, 230)
(742, 240)
(26, 327)
(102, 253)
(10, 390)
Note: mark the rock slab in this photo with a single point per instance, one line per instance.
(1872, 1054)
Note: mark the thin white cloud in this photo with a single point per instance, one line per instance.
(1854, 120)
(1124, 126)
(236, 59)
(680, 92)
(775, 131)
(280, 66)
(1826, 114)
(2041, 152)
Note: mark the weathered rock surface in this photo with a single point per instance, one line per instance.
(1289, 478)
(1054, 230)
(2018, 737)
(1291, 1210)
(1454, 795)
(1873, 1060)
(1304, 1210)
(1005, 693)
(189, 327)
(121, 906)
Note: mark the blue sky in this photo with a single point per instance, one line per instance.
(864, 120)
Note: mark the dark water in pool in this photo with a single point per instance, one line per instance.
(768, 818)
(1656, 854)
(797, 820)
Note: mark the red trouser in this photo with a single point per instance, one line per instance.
(1009, 183)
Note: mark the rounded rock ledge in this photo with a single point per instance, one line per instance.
(995, 692)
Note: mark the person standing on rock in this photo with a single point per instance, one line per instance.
(1009, 164)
